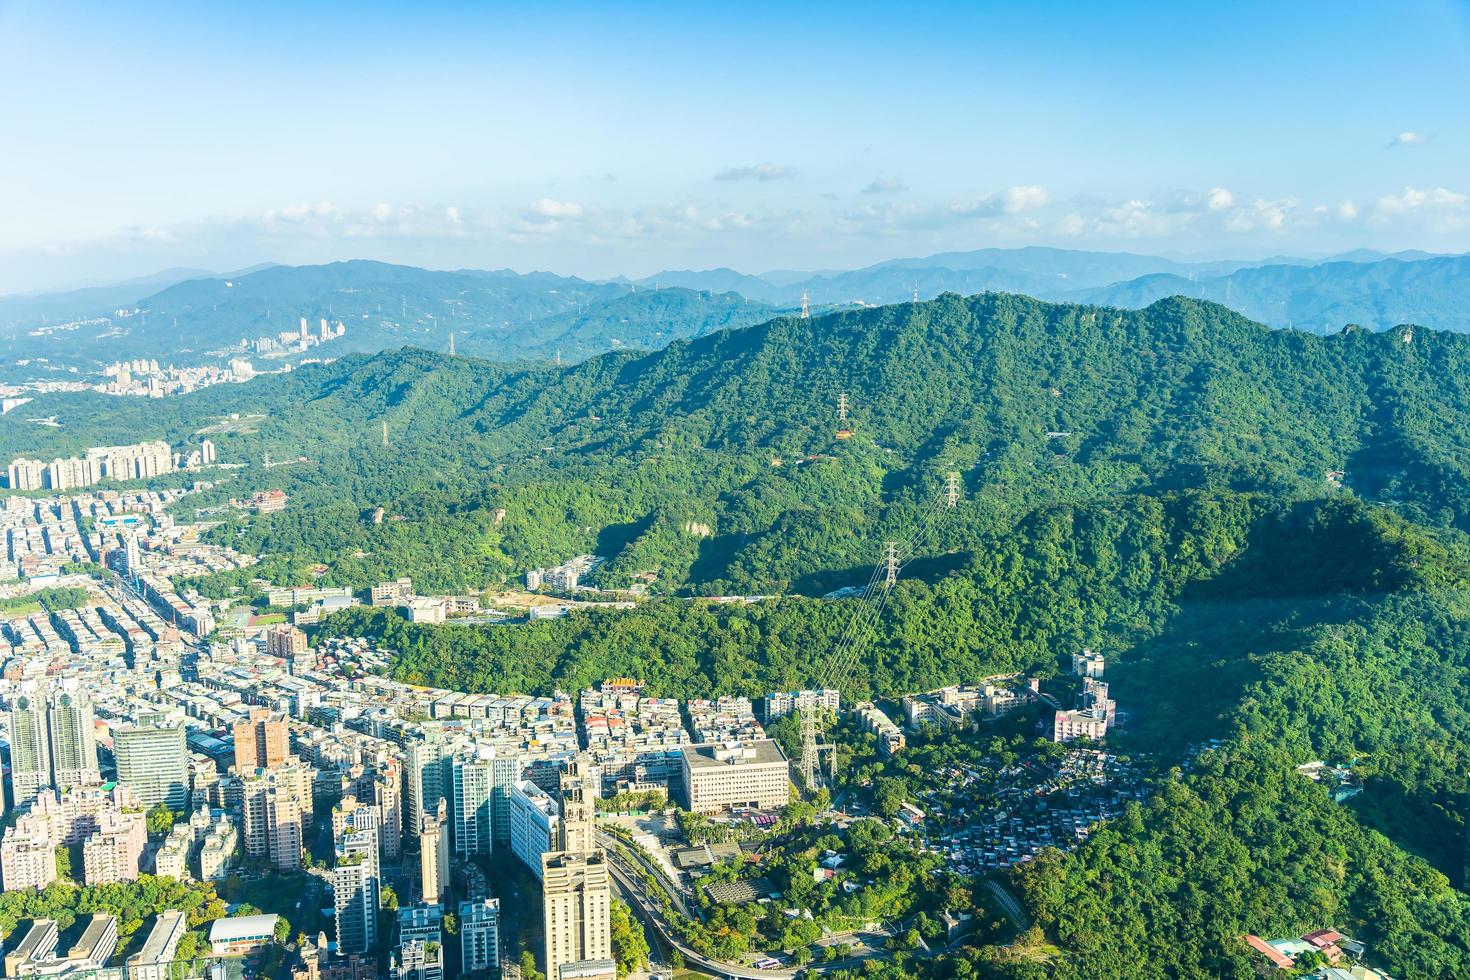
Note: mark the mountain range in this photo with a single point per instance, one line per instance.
(539, 316)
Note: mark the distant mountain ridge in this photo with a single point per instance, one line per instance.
(512, 316)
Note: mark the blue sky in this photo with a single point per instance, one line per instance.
(591, 140)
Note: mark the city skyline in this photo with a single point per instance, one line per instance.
(606, 143)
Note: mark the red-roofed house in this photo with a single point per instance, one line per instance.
(1278, 959)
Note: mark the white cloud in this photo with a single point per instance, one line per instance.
(1415, 199)
(1347, 210)
(1220, 198)
(1014, 200)
(301, 212)
(886, 185)
(760, 171)
(1027, 198)
(1409, 138)
(452, 213)
(549, 208)
(383, 211)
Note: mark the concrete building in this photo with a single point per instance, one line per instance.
(39, 943)
(241, 934)
(534, 819)
(753, 774)
(95, 946)
(27, 856)
(30, 744)
(603, 969)
(154, 960)
(481, 779)
(172, 858)
(263, 740)
(479, 935)
(73, 737)
(782, 703)
(434, 853)
(217, 853)
(424, 783)
(394, 593)
(355, 891)
(152, 760)
(115, 851)
(890, 737)
(285, 642)
(1088, 663)
(576, 898)
(1068, 725)
(417, 959)
(276, 806)
(26, 474)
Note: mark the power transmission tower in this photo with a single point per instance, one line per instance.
(806, 310)
(558, 357)
(952, 489)
(451, 343)
(385, 432)
(890, 578)
(809, 748)
(842, 407)
(916, 292)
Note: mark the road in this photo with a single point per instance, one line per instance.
(630, 887)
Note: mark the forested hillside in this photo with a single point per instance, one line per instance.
(738, 432)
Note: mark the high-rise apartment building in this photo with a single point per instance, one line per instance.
(276, 804)
(355, 889)
(115, 852)
(30, 745)
(285, 642)
(479, 936)
(52, 740)
(424, 779)
(263, 741)
(481, 780)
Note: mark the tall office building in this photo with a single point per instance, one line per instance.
(153, 762)
(30, 745)
(434, 853)
(576, 888)
(263, 741)
(481, 778)
(73, 738)
(355, 888)
(576, 897)
(479, 936)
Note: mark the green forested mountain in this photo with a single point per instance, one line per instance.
(1029, 401)
(1265, 530)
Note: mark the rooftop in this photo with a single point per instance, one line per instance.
(242, 927)
(718, 754)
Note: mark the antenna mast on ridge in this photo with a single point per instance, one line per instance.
(806, 310)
